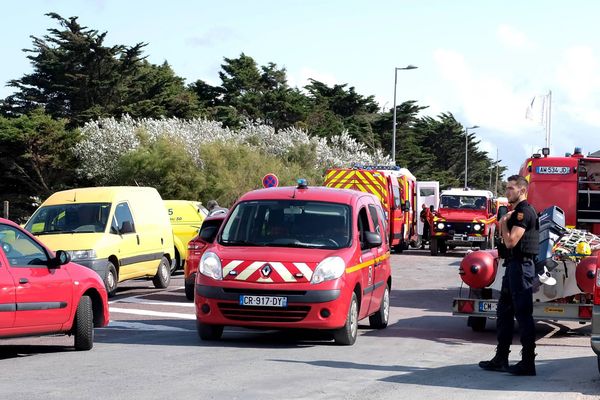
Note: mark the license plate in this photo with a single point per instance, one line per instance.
(553, 170)
(263, 301)
(487, 306)
(476, 239)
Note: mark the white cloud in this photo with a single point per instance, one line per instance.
(513, 38)
(485, 100)
(301, 78)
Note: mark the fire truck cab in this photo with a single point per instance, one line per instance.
(571, 182)
(465, 218)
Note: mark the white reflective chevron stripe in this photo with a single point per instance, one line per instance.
(283, 272)
(305, 269)
(261, 279)
(231, 266)
(250, 269)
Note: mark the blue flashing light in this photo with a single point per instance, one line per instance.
(302, 183)
(383, 167)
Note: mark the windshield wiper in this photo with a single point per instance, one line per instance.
(295, 244)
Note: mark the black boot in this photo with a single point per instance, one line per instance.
(525, 367)
(498, 363)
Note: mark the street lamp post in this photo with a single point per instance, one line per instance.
(394, 127)
(467, 149)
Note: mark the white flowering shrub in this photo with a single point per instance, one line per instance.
(108, 139)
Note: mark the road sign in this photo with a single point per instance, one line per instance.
(270, 180)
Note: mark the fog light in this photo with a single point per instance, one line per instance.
(205, 308)
(325, 313)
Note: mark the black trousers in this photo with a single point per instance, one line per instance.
(516, 301)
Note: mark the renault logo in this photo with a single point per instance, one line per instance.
(266, 270)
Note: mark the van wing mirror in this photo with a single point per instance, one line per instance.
(406, 206)
(209, 233)
(372, 239)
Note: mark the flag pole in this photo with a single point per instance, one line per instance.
(549, 119)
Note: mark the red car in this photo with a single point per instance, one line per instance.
(44, 293)
(196, 248)
(297, 257)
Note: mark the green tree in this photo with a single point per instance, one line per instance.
(36, 159)
(233, 169)
(75, 76)
(163, 165)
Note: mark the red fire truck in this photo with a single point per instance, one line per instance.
(566, 193)
(396, 189)
(465, 218)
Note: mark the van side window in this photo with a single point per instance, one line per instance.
(363, 226)
(396, 193)
(123, 221)
(378, 221)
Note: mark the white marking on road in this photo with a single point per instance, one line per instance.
(152, 313)
(140, 326)
(137, 300)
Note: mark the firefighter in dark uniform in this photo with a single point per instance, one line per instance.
(519, 247)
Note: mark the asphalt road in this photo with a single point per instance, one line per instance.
(151, 351)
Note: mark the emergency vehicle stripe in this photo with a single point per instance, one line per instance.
(367, 263)
(231, 266)
(283, 272)
(250, 269)
(305, 270)
(261, 279)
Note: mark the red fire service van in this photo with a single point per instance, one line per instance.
(297, 257)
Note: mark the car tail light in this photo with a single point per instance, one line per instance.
(193, 244)
(585, 312)
(466, 306)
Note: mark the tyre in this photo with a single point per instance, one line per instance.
(163, 276)
(111, 280)
(433, 246)
(379, 320)
(399, 248)
(346, 335)
(189, 288)
(477, 323)
(83, 326)
(443, 247)
(209, 332)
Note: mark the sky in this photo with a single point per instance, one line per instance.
(482, 61)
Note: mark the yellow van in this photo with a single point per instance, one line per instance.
(120, 232)
(186, 219)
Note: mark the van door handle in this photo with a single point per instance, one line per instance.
(23, 280)
(377, 264)
(138, 238)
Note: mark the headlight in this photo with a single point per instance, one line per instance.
(440, 225)
(210, 265)
(77, 255)
(476, 227)
(328, 269)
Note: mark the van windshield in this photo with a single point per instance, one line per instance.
(464, 202)
(288, 223)
(69, 218)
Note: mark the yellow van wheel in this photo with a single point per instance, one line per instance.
(111, 280)
(163, 276)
